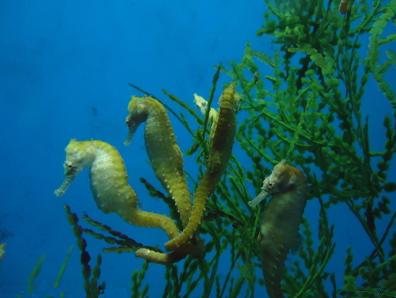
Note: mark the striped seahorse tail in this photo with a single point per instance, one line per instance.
(154, 256)
(204, 189)
(177, 187)
(151, 220)
(274, 288)
(161, 257)
(273, 270)
(224, 133)
(219, 153)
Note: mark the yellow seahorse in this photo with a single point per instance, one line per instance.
(219, 152)
(109, 183)
(163, 151)
(280, 221)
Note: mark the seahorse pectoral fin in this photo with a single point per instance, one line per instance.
(258, 199)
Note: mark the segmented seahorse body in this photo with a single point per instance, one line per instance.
(109, 183)
(163, 151)
(223, 136)
(219, 153)
(280, 222)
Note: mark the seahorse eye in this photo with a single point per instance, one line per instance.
(69, 167)
(270, 184)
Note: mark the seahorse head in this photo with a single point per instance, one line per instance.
(137, 113)
(284, 178)
(77, 157)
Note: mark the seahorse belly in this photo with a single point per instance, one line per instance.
(112, 193)
(109, 182)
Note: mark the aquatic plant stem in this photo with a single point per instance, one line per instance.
(372, 236)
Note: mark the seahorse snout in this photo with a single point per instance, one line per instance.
(135, 117)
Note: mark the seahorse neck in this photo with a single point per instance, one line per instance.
(291, 200)
(156, 116)
(158, 130)
(103, 157)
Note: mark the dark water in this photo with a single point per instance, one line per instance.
(64, 73)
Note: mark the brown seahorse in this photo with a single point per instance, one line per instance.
(109, 184)
(219, 152)
(164, 153)
(280, 221)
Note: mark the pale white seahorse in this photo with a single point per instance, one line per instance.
(202, 104)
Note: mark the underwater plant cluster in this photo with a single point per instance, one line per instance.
(298, 117)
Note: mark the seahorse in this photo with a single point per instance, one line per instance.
(219, 153)
(202, 104)
(280, 221)
(109, 183)
(163, 151)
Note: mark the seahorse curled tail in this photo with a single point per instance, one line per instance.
(219, 153)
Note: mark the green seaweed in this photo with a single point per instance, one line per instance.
(63, 267)
(138, 289)
(93, 288)
(35, 273)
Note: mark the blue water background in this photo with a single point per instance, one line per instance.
(64, 69)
